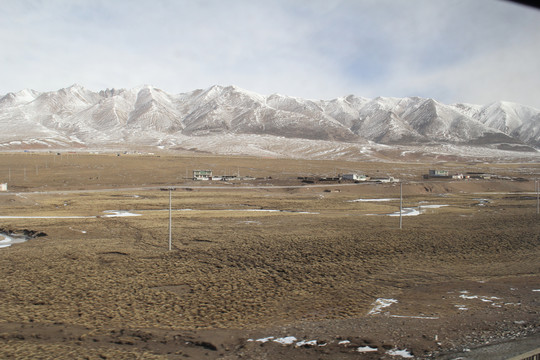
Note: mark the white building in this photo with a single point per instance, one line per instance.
(390, 179)
(355, 177)
(3, 186)
(202, 174)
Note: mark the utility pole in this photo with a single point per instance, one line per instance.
(170, 189)
(400, 204)
(537, 185)
(170, 219)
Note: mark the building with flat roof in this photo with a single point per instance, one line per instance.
(202, 174)
(355, 177)
(438, 173)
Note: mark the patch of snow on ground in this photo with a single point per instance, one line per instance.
(7, 241)
(482, 298)
(380, 304)
(415, 211)
(406, 212)
(432, 206)
(403, 353)
(486, 299)
(306, 343)
(4, 241)
(372, 200)
(119, 213)
(288, 340)
(262, 340)
(364, 349)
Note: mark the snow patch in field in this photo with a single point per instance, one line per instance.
(306, 343)
(432, 206)
(416, 211)
(481, 298)
(403, 353)
(380, 304)
(262, 340)
(7, 241)
(4, 241)
(289, 340)
(364, 349)
(493, 300)
(406, 212)
(119, 213)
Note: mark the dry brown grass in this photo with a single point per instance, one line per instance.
(322, 257)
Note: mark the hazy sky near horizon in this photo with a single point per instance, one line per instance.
(474, 51)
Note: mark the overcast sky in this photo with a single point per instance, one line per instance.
(475, 51)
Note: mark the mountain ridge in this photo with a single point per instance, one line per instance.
(76, 116)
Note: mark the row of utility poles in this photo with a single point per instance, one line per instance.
(171, 189)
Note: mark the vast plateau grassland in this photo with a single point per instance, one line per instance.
(266, 257)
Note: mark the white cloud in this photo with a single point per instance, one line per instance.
(472, 51)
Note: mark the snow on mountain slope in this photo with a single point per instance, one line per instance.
(378, 122)
(219, 110)
(154, 110)
(149, 116)
(18, 98)
(441, 123)
(522, 122)
(345, 110)
(233, 110)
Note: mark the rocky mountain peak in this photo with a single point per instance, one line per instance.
(149, 115)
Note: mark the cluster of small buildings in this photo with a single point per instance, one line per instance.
(206, 175)
(348, 177)
(443, 174)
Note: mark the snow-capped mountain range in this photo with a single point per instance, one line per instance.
(147, 116)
